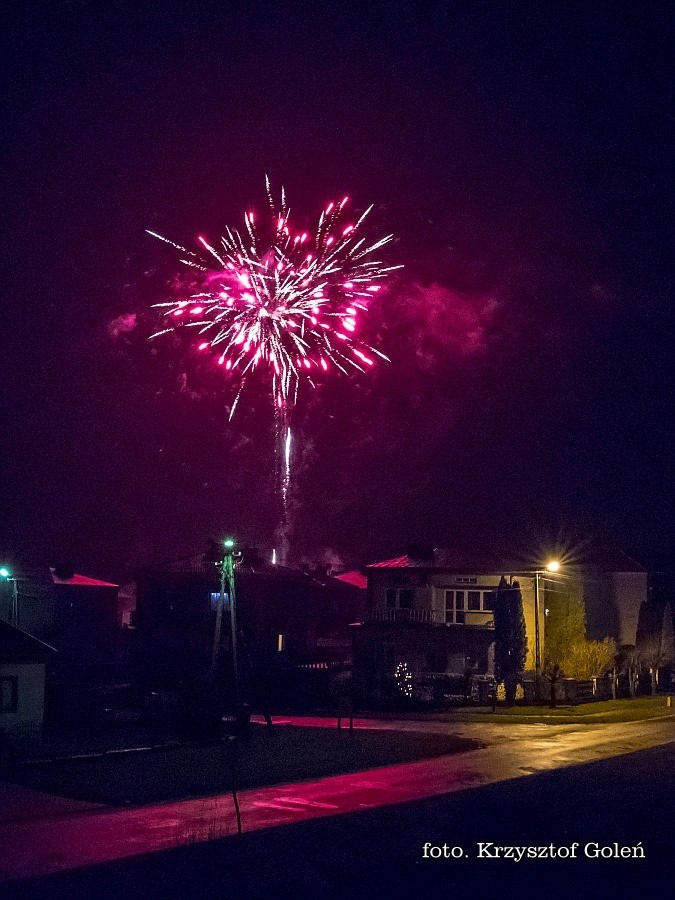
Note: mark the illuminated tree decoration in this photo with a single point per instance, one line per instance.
(403, 679)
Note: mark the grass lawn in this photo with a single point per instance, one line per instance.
(289, 754)
(603, 712)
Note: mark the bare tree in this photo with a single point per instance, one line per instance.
(657, 649)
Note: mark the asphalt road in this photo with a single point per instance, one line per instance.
(364, 833)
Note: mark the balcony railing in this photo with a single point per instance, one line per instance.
(472, 618)
(402, 615)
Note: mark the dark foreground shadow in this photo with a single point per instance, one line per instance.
(379, 853)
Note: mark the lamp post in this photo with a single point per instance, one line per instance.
(552, 566)
(7, 576)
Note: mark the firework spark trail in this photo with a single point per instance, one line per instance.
(282, 303)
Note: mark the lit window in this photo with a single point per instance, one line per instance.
(215, 597)
(281, 643)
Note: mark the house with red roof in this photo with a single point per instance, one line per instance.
(294, 625)
(430, 611)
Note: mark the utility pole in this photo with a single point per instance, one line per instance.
(7, 576)
(227, 579)
(537, 642)
(551, 566)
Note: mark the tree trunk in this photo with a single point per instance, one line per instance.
(631, 681)
(652, 672)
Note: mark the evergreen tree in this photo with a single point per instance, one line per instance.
(510, 636)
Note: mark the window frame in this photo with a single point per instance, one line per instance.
(13, 705)
(396, 594)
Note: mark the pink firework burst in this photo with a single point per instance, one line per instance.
(281, 302)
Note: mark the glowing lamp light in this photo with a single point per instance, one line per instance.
(204, 345)
(228, 543)
(553, 565)
(4, 572)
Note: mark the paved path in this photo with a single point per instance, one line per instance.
(41, 847)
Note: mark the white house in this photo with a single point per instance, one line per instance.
(432, 609)
(23, 660)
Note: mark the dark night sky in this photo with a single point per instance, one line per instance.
(522, 156)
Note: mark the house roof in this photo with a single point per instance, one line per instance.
(497, 559)
(355, 578)
(18, 646)
(80, 580)
(474, 561)
(398, 562)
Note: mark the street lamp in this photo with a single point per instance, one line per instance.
(6, 574)
(551, 566)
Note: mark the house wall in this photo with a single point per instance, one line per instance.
(37, 608)
(79, 621)
(429, 596)
(26, 722)
(602, 619)
(175, 620)
(630, 591)
(380, 646)
(613, 602)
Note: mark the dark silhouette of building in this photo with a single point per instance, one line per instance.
(293, 626)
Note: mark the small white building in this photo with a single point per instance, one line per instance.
(23, 661)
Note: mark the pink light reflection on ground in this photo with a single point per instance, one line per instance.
(61, 842)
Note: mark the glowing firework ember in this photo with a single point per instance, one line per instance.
(288, 306)
(282, 304)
